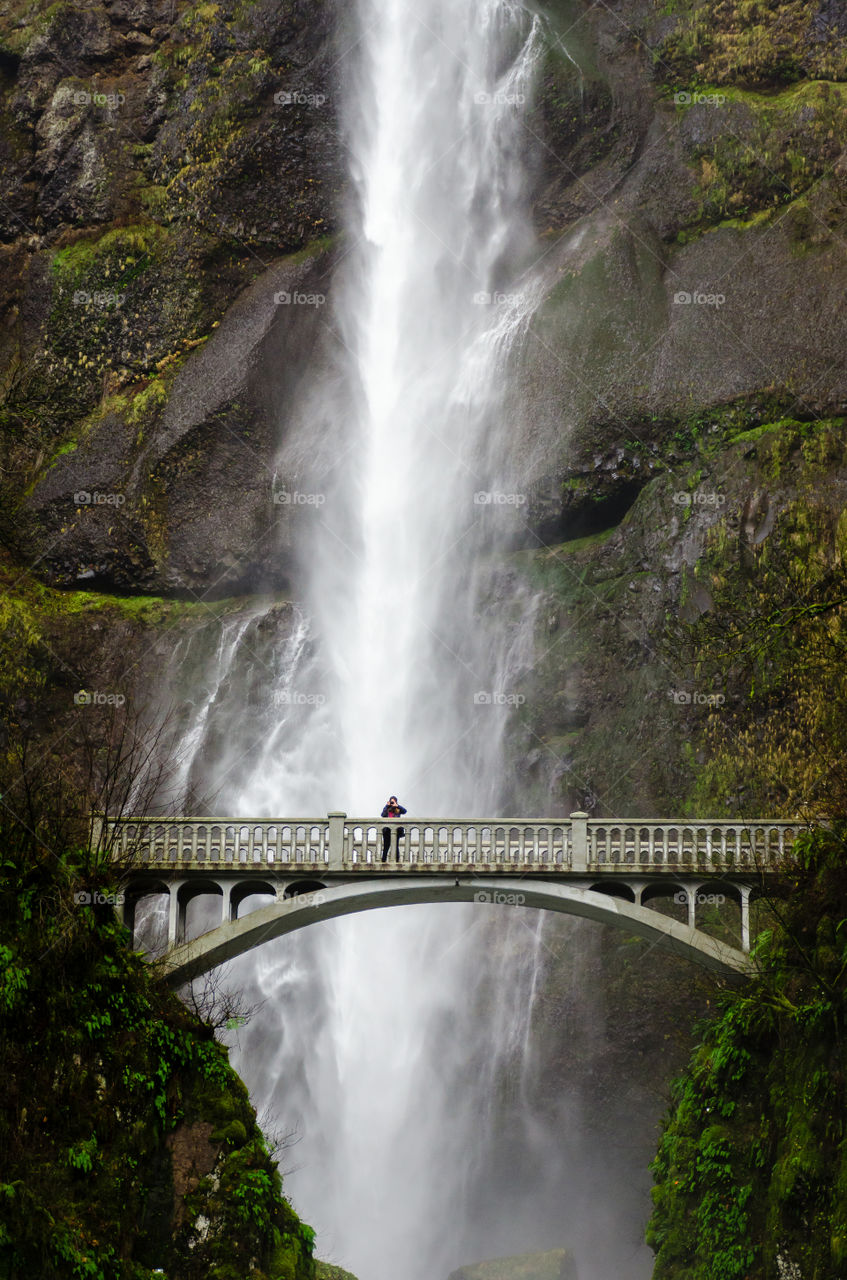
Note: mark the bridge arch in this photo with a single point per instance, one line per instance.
(286, 915)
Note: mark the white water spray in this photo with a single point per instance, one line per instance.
(384, 1038)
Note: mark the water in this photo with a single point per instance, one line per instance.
(399, 1044)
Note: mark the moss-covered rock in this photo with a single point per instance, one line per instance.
(556, 1264)
(326, 1271)
(114, 1161)
(754, 42)
(641, 698)
(750, 1172)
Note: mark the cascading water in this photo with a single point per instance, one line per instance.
(384, 1038)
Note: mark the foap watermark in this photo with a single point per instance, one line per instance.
(683, 99)
(498, 699)
(314, 898)
(501, 897)
(295, 98)
(701, 498)
(82, 898)
(100, 298)
(699, 299)
(110, 101)
(485, 299)
(94, 698)
(82, 498)
(683, 698)
(496, 498)
(500, 98)
(297, 299)
(284, 498)
(701, 899)
(297, 698)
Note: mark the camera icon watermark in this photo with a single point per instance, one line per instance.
(296, 299)
(498, 699)
(683, 698)
(111, 101)
(500, 98)
(495, 498)
(82, 898)
(701, 899)
(293, 98)
(297, 698)
(683, 99)
(484, 299)
(86, 698)
(684, 298)
(82, 498)
(100, 298)
(702, 498)
(284, 498)
(501, 897)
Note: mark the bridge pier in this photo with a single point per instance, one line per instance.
(745, 890)
(175, 923)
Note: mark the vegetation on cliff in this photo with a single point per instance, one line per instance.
(128, 1146)
(751, 1175)
(769, 608)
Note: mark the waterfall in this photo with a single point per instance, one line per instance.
(385, 1040)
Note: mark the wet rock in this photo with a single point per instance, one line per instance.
(557, 1264)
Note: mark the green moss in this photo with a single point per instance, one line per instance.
(763, 44)
(234, 1134)
(773, 149)
(577, 545)
(120, 254)
(147, 402)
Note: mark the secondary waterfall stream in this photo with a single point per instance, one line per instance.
(396, 1043)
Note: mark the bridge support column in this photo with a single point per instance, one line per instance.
(744, 889)
(691, 895)
(176, 913)
(226, 905)
(579, 841)
(335, 837)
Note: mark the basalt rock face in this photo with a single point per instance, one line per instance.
(188, 499)
(678, 413)
(172, 177)
(170, 189)
(692, 196)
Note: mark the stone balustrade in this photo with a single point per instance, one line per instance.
(341, 844)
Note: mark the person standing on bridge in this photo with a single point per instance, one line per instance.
(393, 809)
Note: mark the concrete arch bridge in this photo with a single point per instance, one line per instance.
(312, 869)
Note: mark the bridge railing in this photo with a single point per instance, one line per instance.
(449, 843)
(339, 843)
(761, 845)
